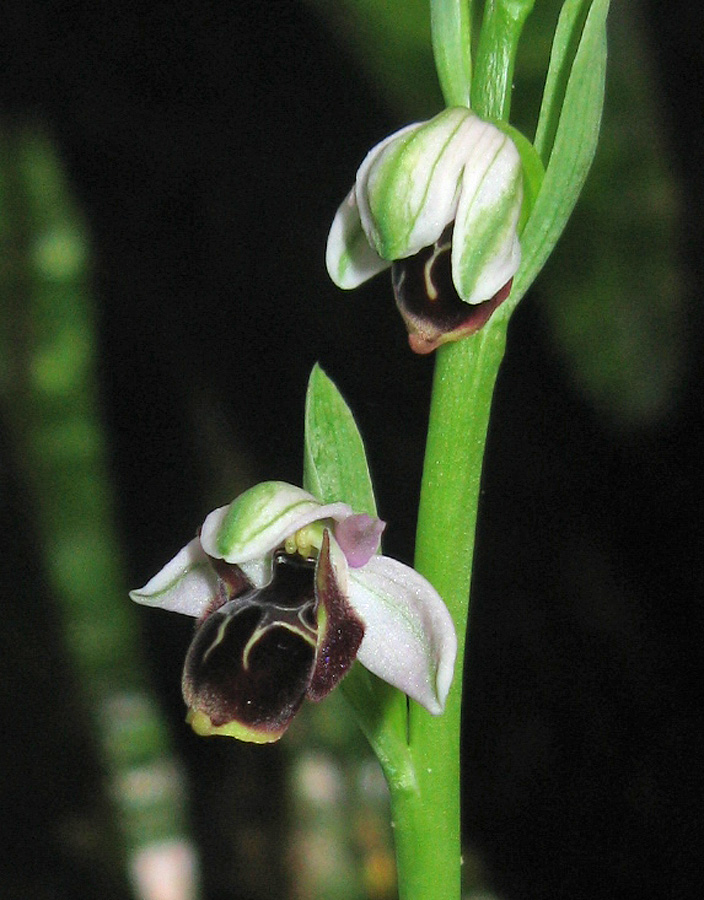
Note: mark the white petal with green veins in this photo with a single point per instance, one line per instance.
(485, 248)
(407, 187)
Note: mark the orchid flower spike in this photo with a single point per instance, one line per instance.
(439, 201)
(288, 592)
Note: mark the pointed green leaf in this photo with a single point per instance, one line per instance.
(334, 463)
(575, 138)
(614, 301)
(564, 48)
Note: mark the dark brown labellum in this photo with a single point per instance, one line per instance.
(251, 660)
(426, 297)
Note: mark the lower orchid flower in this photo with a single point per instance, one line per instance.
(288, 592)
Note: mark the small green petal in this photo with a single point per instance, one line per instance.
(255, 512)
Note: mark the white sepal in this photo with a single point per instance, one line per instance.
(486, 252)
(349, 257)
(408, 186)
(186, 584)
(409, 639)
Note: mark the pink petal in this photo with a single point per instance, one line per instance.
(359, 537)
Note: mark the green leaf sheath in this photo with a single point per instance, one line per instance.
(50, 409)
(501, 30)
(570, 155)
(451, 29)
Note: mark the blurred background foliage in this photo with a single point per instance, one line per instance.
(167, 178)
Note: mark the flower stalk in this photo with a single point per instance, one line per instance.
(429, 816)
(502, 26)
(463, 387)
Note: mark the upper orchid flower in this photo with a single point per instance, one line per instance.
(440, 201)
(288, 592)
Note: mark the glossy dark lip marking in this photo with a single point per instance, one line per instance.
(258, 652)
(253, 654)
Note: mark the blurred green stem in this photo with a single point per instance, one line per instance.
(50, 407)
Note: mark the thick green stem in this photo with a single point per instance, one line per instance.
(496, 55)
(427, 814)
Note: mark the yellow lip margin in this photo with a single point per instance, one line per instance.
(201, 724)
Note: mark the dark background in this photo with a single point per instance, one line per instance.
(209, 145)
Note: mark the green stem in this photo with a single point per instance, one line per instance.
(427, 814)
(496, 54)
(451, 26)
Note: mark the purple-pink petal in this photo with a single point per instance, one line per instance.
(359, 537)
